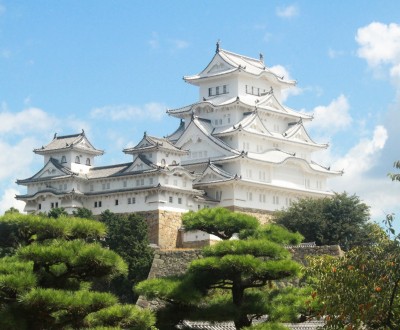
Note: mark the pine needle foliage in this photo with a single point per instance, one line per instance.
(227, 283)
(47, 283)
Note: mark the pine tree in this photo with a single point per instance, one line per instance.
(47, 283)
(230, 281)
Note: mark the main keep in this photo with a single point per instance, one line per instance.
(238, 147)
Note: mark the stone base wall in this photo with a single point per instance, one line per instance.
(163, 228)
(176, 262)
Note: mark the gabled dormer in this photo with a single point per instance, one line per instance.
(72, 151)
(160, 151)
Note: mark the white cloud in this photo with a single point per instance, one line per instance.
(332, 118)
(153, 110)
(363, 156)
(28, 120)
(8, 200)
(281, 71)
(288, 11)
(379, 43)
(15, 159)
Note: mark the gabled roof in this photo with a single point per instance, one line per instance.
(140, 164)
(69, 142)
(152, 143)
(51, 170)
(226, 62)
(270, 103)
(251, 123)
(267, 103)
(203, 127)
(297, 131)
(173, 137)
(214, 173)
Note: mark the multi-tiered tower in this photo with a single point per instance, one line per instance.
(252, 152)
(237, 147)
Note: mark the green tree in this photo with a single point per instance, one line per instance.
(57, 212)
(361, 289)
(12, 210)
(82, 212)
(47, 283)
(340, 219)
(128, 236)
(395, 176)
(227, 283)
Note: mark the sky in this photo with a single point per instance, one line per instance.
(113, 68)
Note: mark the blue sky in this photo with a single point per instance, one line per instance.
(114, 67)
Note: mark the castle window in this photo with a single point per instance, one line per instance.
(91, 187)
(39, 206)
(275, 200)
(124, 184)
(217, 90)
(179, 200)
(133, 200)
(52, 205)
(77, 160)
(151, 181)
(99, 203)
(88, 161)
(210, 91)
(249, 196)
(129, 200)
(224, 89)
(95, 204)
(63, 159)
(116, 202)
(171, 199)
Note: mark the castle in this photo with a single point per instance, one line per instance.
(238, 147)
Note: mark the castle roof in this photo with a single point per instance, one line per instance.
(152, 143)
(69, 142)
(225, 62)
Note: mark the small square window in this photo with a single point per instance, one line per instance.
(133, 200)
(129, 200)
(171, 199)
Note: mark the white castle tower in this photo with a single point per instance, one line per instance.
(238, 147)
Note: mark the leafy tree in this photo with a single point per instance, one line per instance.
(82, 212)
(341, 219)
(47, 283)
(226, 284)
(395, 176)
(12, 209)
(57, 212)
(128, 236)
(361, 289)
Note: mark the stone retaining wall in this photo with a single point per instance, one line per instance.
(176, 262)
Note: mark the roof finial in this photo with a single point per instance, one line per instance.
(217, 49)
(55, 135)
(261, 58)
(145, 134)
(83, 131)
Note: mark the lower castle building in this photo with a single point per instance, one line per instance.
(238, 146)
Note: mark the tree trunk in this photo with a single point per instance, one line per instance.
(241, 320)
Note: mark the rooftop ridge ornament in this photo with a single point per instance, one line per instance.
(261, 58)
(217, 48)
